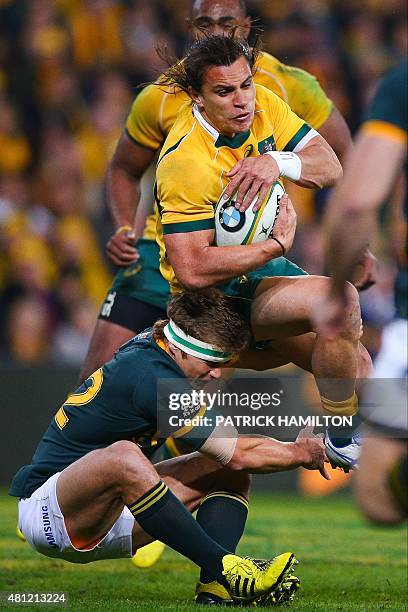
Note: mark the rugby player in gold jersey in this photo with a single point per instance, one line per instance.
(230, 114)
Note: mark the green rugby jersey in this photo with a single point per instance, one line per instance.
(118, 402)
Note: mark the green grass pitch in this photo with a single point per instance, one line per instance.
(345, 564)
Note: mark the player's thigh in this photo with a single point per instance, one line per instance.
(107, 337)
(89, 491)
(192, 476)
(276, 353)
(130, 312)
(283, 306)
(372, 487)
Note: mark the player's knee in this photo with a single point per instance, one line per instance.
(122, 447)
(353, 313)
(243, 483)
(365, 364)
(124, 458)
(236, 480)
(375, 500)
(376, 510)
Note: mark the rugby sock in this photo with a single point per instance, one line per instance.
(222, 515)
(165, 518)
(342, 435)
(347, 407)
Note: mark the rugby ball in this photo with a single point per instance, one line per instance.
(233, 227)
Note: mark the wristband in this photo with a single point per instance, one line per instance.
(289, 164)
(124, 228)
(280, 244)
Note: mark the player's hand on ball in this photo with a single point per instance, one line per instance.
(251, 176)
(312, 449)
(120, 247)
(285, 225)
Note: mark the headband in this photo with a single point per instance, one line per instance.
(194, 347)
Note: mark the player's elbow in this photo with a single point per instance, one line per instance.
(356, 210)
(334, 171)
(117, 171)
(191, 280)
(326, 173)
(236, 464)
(337, 171)
(240, 461)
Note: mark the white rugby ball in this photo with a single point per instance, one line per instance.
(233, 227)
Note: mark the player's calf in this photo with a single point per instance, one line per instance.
(383, 473)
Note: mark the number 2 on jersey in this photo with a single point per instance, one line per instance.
(81, 398)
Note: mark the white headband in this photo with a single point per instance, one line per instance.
(194, 347)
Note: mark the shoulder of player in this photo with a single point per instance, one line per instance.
(289, 76)
(149, 95)
(267, 62)
(265, 97)
(183, 143)
(387, 114)
(144, 358)
(153, 95)
(393, 87)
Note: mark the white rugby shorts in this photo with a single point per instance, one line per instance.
(42, 523)
(385, 401)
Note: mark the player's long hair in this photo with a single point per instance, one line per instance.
(211, 50)
(209, 316)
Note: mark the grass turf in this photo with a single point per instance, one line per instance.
(345, 564)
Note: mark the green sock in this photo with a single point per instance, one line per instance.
(222, 515)
(165, 518)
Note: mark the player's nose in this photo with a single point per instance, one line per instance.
(217, 30)
(239, 99)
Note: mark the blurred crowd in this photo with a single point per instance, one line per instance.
(69, 70)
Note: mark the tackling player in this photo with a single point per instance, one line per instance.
(91, 492)
(139, 293)
(377, 159)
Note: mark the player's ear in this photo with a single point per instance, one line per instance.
(244, 28)
(172, 350)
(247, 27)
(196, 98)
(175, 352)
(193, 31)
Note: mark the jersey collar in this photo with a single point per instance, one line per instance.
(220, 140)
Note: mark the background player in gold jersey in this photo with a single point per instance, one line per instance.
(139, 293)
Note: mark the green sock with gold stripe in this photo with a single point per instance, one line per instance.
(222, 515)
(165, 518)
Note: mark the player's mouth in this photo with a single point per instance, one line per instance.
(242, 117)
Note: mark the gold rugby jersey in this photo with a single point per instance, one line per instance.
(191, 170)
(155, 110)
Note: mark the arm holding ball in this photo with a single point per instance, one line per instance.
(210, 265)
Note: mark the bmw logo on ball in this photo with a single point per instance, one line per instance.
(230, 218)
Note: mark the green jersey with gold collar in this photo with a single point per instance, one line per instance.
(118, 402)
